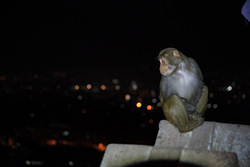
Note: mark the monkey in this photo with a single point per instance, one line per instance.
(183, 94)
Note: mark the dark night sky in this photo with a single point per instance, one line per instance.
(120, 35)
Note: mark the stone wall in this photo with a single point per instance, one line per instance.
(212, 144)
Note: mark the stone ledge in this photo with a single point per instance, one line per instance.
(122, 154)
(210, 136)
(212, 144)
(118, 155)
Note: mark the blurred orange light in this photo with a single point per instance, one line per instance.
(10, 142)
(51, 142)
(89, 86)
(2, 78)
(149, 107)
(64, 142)
(84, 111)
(103, 87)
(101, 147)
(150, 121)
(77, 87)
(138, 104)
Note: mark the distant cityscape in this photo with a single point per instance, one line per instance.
(43, 113)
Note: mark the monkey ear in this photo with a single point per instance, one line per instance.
(176, 53)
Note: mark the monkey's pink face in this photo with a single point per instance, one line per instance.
(165, 68)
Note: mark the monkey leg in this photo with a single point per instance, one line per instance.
(175, 112)
(202, 103)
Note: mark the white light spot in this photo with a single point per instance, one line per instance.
(27, 162)
(134, 85)
(229, 88)
(117, 87)
(154, 100)
(115, 81)
(71, 163)
(208, 105)
(215, 106)
(65, 133)
(79, 97)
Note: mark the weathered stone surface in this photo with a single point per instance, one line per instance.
(117, 155)
(168, 135)
(233, 138)
(121, 155)
(202, 136)
(212, 144)
(210, 136)
(159, 153)
(209, 158)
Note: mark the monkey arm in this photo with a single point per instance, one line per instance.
(202, 103)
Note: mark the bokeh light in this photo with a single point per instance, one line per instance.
(103, 87)
(138, 104)
(127, 97)
(77, 87)
(149, 107)
(101, 147)
(89, 86)
(150, 121)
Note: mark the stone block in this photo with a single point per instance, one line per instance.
(159, 153)
(212, 144)
(168, 135)
(233, 138)
(202, 137)
(209, 136)
(209, 158)
(117, 155)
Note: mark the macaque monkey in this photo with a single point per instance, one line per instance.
(183, 95)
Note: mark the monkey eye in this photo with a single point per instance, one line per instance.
(163, 61)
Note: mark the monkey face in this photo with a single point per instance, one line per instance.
(169, 59)
(165, 68)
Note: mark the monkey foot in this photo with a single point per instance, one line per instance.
(194, 116)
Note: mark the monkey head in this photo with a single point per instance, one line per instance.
(169, 59)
